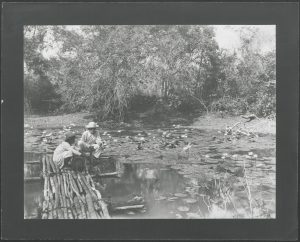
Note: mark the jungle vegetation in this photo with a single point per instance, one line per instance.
(118, 70)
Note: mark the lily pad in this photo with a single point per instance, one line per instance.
(190, 200)
(180, 195)
(193, 215)
(183, 209)
(211, 161)
(171, 199)
(160, 198)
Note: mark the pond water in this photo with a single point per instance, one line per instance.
(174, 173)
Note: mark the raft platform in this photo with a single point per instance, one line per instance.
(70, 195)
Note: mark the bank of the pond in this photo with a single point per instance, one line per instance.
(215, 121)
(56, 121)
(206, 122)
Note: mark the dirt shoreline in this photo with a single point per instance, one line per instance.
(213, 121)
(207, 122)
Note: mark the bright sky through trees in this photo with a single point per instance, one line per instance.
(227, 36)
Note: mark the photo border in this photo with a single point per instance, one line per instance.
(284, 15)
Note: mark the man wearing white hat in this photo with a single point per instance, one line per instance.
(91, 140)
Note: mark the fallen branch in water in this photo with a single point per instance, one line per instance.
(129, 207)
(249, 195)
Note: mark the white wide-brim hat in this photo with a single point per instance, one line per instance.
(92, 125)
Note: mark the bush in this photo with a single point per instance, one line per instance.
(185, 105)
(266, 106)
(232, 106)
(39, 95)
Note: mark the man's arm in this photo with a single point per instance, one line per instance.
(74, 151)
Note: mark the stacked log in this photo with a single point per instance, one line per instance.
(69, 194)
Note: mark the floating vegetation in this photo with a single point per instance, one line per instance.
(183, 209)
(180, 195)
(193, 216)
(190, 200)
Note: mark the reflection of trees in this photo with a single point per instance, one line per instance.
(32, 199)
(145, 180)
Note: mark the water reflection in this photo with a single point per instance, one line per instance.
(32, 199)
(161, 188)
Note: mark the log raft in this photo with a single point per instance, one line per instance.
(70, 195)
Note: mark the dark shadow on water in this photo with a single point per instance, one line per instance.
(33, 192)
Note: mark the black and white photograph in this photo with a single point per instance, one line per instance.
(149, 121)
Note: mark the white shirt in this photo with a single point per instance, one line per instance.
(63, 151)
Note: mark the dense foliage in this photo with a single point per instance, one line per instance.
(114, 70)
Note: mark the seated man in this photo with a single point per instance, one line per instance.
(64, 152)
(91, 141)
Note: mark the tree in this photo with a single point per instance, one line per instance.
(38, 90)
(108, 69)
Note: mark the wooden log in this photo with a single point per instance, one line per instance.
(58, 198)
(77, 207)
(30, 179)
(73, 209)
(80, 198)
(44, 209)
(64, 184)
(46, 188)
(53, 198)
(53, 211)
(50, 199)
(73, 185)
(104, 209)
(33, 162)
(129, 207)
(71, 195)
(62, 196)
(82, 202)
(69, 209)
(67, 187)
(86, 186)
(50, 212)
(48, 170)
(96, 206)
(98, 194)
(89, 200)
(44, 166)
(110, 174)
(53, 166)
(70, 190)
(57, 195)
(52, 185)
(75, 177)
